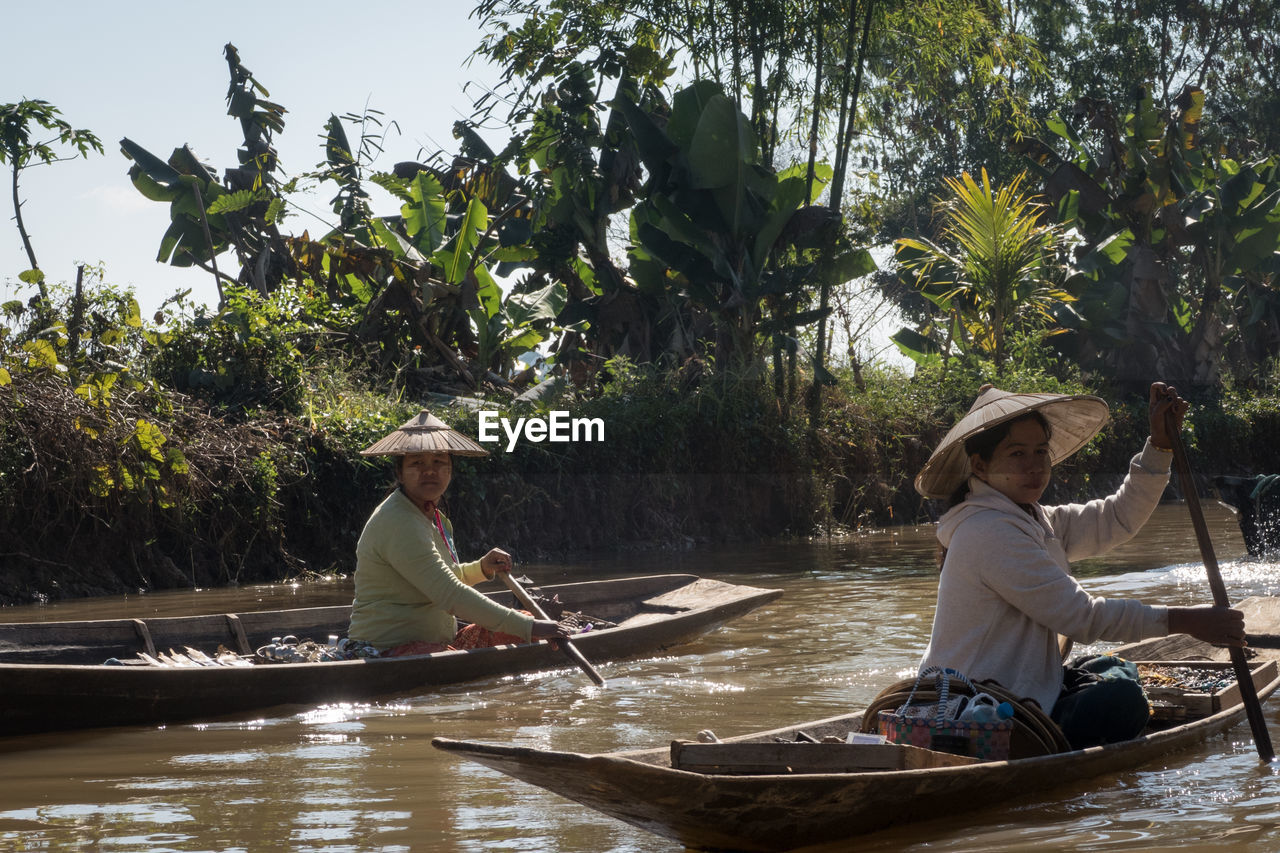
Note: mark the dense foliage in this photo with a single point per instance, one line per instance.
(1174, 269)
(1083, 197)
(113, 482)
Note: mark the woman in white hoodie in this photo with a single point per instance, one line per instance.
(1006, 592)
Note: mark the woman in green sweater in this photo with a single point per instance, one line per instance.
(410, 585)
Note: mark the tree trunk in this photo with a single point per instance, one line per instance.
(849, 109)
(791, 377)
(17, 215)
(818, 45)
(77, 314)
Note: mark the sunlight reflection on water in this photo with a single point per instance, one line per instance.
(855, 616)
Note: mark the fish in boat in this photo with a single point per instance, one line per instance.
(114, 672)
(785, 788)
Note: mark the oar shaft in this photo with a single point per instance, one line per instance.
(1244, 678)
(1216, 586)
(533, 607)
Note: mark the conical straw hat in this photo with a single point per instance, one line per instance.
(1073, 420)
(424, 433)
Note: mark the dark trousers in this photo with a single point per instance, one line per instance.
(1101, 701)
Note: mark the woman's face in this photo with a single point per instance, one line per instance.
(1019, 467)
(425, 476)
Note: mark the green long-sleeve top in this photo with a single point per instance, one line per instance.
(409, 588)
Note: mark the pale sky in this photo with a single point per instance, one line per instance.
(154, 72)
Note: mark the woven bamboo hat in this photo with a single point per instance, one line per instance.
(1073, 420)
(424, 433)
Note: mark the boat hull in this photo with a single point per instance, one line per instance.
(653, 613)
(785, 811)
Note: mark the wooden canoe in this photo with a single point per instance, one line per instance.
(53, 675)
(783, 810)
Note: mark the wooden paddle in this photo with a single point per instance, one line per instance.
(1248, 692)
(569, 648)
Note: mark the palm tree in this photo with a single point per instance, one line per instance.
(994, 266)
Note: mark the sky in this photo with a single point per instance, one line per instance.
(155, 73)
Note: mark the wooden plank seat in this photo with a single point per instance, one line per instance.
(801, 757)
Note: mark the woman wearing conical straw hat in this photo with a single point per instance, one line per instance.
(1005, 591)
(409, 583)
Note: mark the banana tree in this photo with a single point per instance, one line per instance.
(1234, 225)
(426, 276)
(447, 236)
(207, 216)
(712, 223)
(509, 328)
(1178, 241)
(578, 167)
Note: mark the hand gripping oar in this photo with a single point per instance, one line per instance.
(569, 648)
(1248, 692)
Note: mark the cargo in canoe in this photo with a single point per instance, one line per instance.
(765, 791)
(54, 675)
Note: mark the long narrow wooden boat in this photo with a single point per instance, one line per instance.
(779, 810)
(54, 675)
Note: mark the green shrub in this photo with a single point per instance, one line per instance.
(111, 482)
(252, 353)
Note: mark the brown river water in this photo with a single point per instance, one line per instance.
(855, 616)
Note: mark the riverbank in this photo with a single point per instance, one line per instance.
(161, 491)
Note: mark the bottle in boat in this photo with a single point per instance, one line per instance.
(983, 708)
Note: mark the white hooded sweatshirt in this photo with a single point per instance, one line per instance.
(1006, 592)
